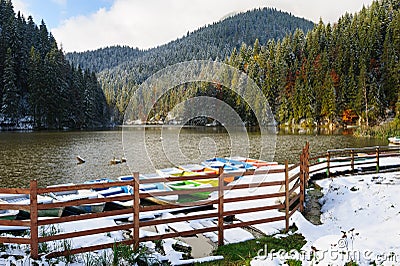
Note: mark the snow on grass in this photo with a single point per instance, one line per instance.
(360, 216)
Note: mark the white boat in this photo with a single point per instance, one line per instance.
(81, 194)
(24, 199)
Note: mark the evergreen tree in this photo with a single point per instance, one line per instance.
(37, 82)
(11, 97)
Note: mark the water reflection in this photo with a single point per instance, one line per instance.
(50, 157)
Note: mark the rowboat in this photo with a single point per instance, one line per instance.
(24, 199)
(118, 161)
(7, 214)
(81, 194)
(80, 160)
(229, 166)
(189, 185)
(113, 192)
(153, 187)
(198, 169)
(173, 171)
(254, 162)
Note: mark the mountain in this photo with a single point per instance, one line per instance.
(121, 69)
(211, 41)
(104, 58)
(342, 73)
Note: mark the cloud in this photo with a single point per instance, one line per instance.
(62, 3)
(23, 6)
(328, 10)
(146, 24)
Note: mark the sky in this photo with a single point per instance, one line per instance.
(81, 25)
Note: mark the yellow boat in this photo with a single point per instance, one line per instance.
(197, 169)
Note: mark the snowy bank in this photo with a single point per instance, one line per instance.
(360, 216)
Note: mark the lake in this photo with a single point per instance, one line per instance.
(50, 157)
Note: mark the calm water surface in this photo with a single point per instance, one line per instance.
(50, 157)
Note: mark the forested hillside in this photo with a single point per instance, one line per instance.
(345, 72)
(39, 88)
(104, 58)
(214, 42)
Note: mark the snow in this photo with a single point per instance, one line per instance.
(360, 216)
(236, 235)
(96, 239)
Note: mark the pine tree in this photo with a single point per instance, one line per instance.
(11, 97)
(328, 109)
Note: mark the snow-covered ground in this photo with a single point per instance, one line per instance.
(360, 222)
(360, 216)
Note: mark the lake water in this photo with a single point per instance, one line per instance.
(50, 157)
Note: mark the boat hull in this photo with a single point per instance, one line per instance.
(23, 199)
(8, 214)
(189, 185)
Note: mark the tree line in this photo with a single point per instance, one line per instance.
(342, 73)
(124, 68)
(39, 88)
(347, 72)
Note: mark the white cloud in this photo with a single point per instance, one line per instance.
(62, 3)
(146, 24)
(328, 10)
(21, 5)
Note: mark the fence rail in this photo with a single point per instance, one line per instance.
(290, 186)
(291, 182)
(351, 159)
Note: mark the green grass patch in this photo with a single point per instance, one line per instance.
(242, 253)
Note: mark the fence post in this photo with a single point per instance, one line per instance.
(302, 174)
(34, 220)
(377, 159)
(221, 207)
(328, 162)
(307, 164)
(287, 196)
(136, 205)
(352, 161)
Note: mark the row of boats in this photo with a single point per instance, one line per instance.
(236, 166)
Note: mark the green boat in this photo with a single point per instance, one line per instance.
(190, 185)
(7, 214)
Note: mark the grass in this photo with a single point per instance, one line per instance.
(243, 253)
(384, 131)
(125, 255)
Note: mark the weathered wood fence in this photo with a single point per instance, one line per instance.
(293, 178)
(288, 178)
(352, 160)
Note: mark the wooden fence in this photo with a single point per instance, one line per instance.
(293, 179)
(352, 160)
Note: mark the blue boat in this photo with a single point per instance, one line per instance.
(153, 187)
(237, 168)
(228, 164)
(113, 192)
